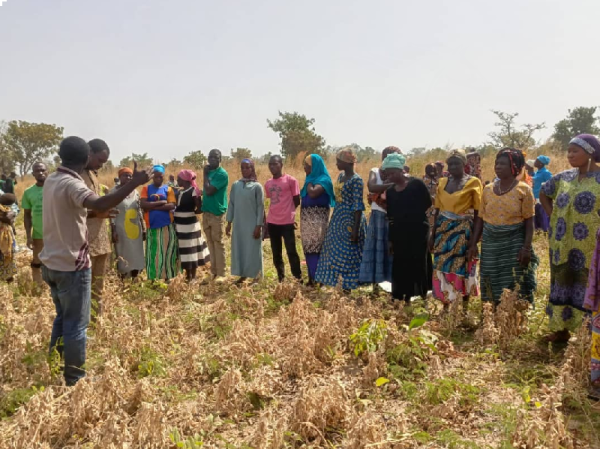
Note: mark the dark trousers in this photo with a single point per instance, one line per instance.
(287, 233)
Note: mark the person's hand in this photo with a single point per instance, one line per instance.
(112, 213)
(144, 235)
(206, 169)
(390, 249)
(524, 257)
(354, 236)
(115, 238)
(140, 177)
(257, 232)
(29, 243)
(228, 229)
(295, 226)
(472, 253)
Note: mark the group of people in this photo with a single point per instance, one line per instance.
(423, 234)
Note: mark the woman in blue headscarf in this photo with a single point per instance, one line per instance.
(317, 199)
(542, 175)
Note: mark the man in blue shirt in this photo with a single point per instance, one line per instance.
(542, 175)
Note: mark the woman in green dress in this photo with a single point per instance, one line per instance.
(570, 200)
(247, 213)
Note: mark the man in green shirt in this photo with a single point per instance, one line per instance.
(214, 207)
(32, 205)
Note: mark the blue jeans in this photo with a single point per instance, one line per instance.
(71, 292)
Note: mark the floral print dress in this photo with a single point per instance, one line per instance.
(340, 258)
(572, 234)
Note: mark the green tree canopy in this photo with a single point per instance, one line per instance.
(241, 153)
(580, 120)
(196, 159)
(509, 134)
(143, 160)
(297, 134)
(26, 143)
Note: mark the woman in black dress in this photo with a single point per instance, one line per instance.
(407, 204)
(193, 251)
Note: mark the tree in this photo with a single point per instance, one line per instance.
(512, 135)
(264, 159)
(195, 159)
(28, 142)
(143, 160)
(580, 120)
(297, 134)
(241, 153)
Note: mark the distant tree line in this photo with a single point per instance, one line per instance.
(23, 143)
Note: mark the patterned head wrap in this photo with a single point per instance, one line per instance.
(252, 177)
(589, 144)
(346, 155)
(393, 160)
(543, 159)
(158, 169)
(431, 166)
(515, 157)
(124, 170)
(190, 176)
(459, 154)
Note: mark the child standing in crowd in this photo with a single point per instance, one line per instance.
(542, 175)
(284, 192)
(32, 205)
(376, 265)
(214, 209)
(473, 166)
(193, 251)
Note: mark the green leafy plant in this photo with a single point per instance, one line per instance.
(368, 336)
(150, 364)
(190, 442)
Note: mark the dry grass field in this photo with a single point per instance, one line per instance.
(280, 365)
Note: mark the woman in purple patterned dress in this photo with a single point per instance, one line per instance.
(570, 199)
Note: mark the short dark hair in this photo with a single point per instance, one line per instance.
(74, 151)
(276, 156)
(216, 150)
(98, 146)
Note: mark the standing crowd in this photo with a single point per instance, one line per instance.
(445, 233)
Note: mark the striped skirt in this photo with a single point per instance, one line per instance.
(499, 267)
(161, 253)
(193, 251)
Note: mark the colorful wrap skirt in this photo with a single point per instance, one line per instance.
(453, 276)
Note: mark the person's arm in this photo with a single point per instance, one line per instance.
(314, 191)
(525, 252)
(260, 212)
(198, 202)
(475, 237)
(295, 191)
(171, 203)
(374, 187)
(107, 202)
(359, 207)
(547, 203)
(209, 189)
(28, 226)
(230, 210)
(151, 205)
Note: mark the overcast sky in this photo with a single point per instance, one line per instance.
(169, 77)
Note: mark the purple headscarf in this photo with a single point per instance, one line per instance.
(589, 144)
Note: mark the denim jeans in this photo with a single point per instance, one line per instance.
(71, 292)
